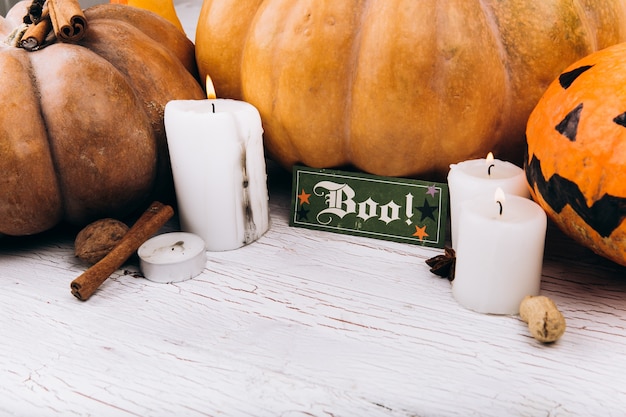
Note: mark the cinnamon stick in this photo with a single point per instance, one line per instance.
(36, 34)
(68, 20)
(148, 224)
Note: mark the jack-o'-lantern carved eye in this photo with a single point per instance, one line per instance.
(620, 119)
(568, 127)
(579, 181)
(567, 78)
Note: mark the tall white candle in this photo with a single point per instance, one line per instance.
(468, 179)
(218, 164)
(500, 253)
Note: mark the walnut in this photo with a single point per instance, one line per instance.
(97, 239)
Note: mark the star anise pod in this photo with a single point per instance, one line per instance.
(443, 265)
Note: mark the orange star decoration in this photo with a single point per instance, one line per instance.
(304, 197)
(420, 232)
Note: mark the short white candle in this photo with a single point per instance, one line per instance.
(500, 253)
(218, 164)
(172, 257)
(469, 179)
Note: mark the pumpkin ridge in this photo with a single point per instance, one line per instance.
(315, 14)
(493, 26)
(36, 86)
(274, 75)
(586, 25)
(82, 142)
(275, 72)
(353, 63)
(227, 42)
(459, 69)
(246, 36)
(25, 153)
(287, 41)
(164, 63)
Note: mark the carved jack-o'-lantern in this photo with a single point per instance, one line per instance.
(576, 161)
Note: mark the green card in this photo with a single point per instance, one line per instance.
(397, 209)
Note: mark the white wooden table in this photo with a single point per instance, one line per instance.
(302, 323)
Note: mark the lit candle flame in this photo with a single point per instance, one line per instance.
(210, 89)
(499, 198)
(489, 161)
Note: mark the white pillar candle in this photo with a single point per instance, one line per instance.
(470, 178)
(500, 253)
(218, 164)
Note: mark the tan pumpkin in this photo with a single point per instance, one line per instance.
(81, 125)
(576, 161)
(396, 87)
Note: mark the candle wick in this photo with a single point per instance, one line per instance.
(489, 169)
(500, 204)
(213, 107)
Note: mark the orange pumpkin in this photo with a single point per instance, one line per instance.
(396, 87)
(576, 160)
(164, 8)
(81, 126)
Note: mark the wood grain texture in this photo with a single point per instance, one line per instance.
(302, 323)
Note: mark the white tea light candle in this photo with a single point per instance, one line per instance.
(469, 179)
(218, 164)
(499, 257)
(172, 257)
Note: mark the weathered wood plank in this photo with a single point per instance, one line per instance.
(302, 323)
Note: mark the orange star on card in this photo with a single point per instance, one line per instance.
(304, 197)
(420, 232)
